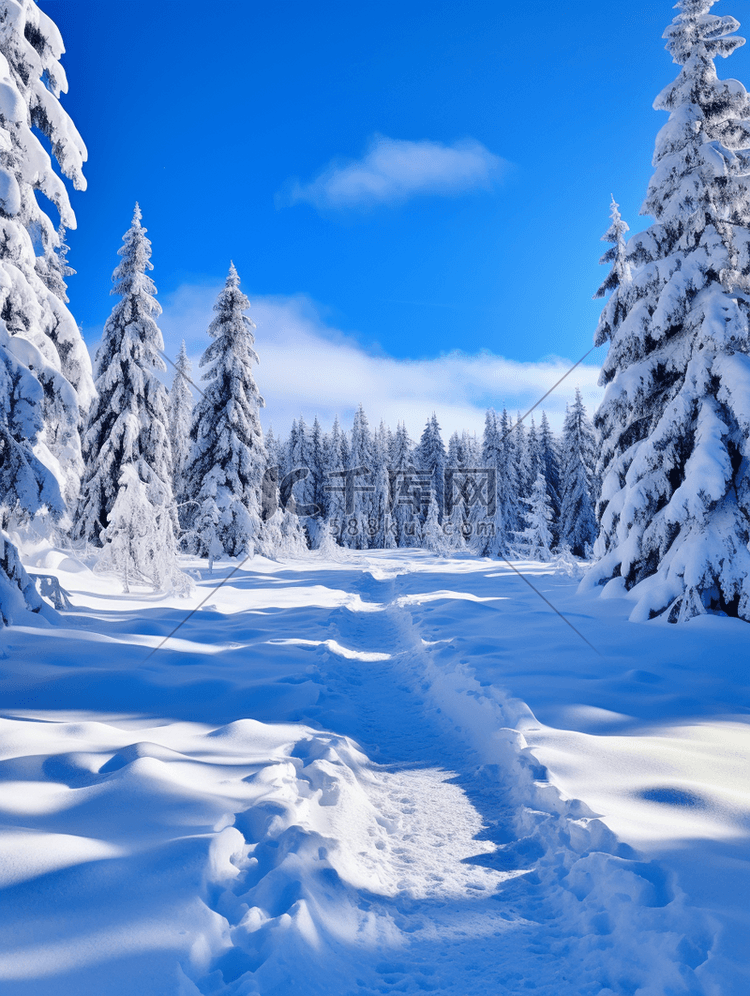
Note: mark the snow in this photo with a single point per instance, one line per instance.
(389, 772)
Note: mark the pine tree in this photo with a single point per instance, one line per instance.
(537, 536)
(291, 449)
(334, 501)
(139, 543)
(433, 538)
(675, 505)
(455, 457)
(26, 485)
(32, 80)
(405, 515)
(519, 452)
(508, 483)
(550, 467)
(45, 371)
(472, 448)
(274, 450)
(533, 457)
(317, 458)
(128, 423)
(283, 536)
(180, 417)
(431, 457)
(577, 518)
(492, 533)
(381, 528)
(228, 459)
(361, 459)
(620, 273)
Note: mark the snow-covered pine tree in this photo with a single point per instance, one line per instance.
(455, 456)
(26, 485)
(327, 548)
(283, 536)
(492, 533)
(617, 255)
(537, 536)
(675, 419)
(456, 523)
(472, 448)
(577, 518)
(431, 457)
(405, 516)
(228, 459)
(508, 483)
(361, 456)
(299, 495)
(381, 532)
(291, 450)
(519, 449)
(180, 417)
(533, 457)
(310, 490)
(334, 501)
(317, 458)
(128, 423)
(274, 449)
(433, 538)
(550, 467)
(31, 81)
(139, 541)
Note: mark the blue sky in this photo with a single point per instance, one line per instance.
(394, 181)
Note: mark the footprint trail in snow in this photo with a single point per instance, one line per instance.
(375, 825)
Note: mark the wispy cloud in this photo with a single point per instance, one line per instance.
(310, 368)
(393, 170)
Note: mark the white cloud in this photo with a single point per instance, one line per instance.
(393, 170)
(307, 367)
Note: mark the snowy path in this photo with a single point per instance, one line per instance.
(311, 789)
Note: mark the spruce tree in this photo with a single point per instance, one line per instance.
(139, 541)
(455, 457)
(431, 457)
(433, 538)
(675, 504)
(577, 518)
(317, 458)
(537, 536)
(519, 453)
(620, 273)
(32, 296)
(550, 467)
(508, 482)
(381, 531)
(128, 424)
(274, 449)
(533, 456)
(26, 485)
(333, 500)
(225, 471)
(180, 417)
(494, 533)
(361, 459)
(402, 475)
(45, 371)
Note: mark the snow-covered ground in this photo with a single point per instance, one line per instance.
(390, 773)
